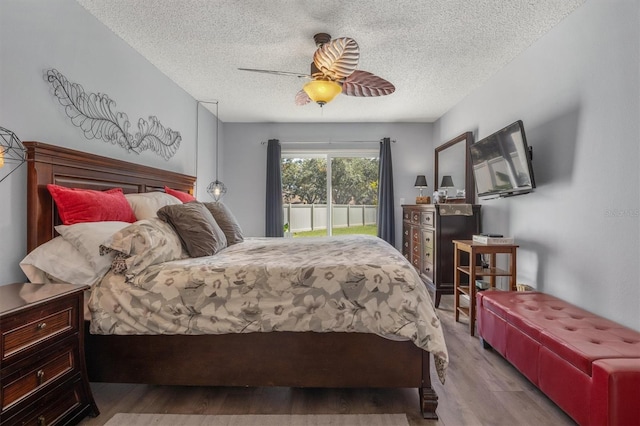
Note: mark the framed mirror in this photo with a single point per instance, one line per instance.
(453, 172)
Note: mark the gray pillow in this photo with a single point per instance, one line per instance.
(196, 227)
(227, 222)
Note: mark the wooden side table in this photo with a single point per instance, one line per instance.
(473, 270)
(43, 376)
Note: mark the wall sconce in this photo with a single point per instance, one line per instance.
(421, 182)
(12, 153)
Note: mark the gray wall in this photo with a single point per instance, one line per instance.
(245, 160)
(577, 92)
(39, 35)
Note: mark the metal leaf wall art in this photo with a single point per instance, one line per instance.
(94, 114)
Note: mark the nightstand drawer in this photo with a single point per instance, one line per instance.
(56, 407)
(25, 331)
(29, 379)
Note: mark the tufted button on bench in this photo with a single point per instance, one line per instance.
(588, 365)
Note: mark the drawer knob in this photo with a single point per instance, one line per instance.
(42, 421)
(427, 269)
(41, 326)
(40, 376)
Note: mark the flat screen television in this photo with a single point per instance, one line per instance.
(502, 163)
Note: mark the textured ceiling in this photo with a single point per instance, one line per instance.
(434, 51)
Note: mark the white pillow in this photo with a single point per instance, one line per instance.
(86, 238)
(58, 261)
(146, 204)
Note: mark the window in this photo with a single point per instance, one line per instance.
(348, 179)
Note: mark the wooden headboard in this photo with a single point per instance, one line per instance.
(75, 169)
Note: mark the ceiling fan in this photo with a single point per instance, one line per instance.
(333, 71)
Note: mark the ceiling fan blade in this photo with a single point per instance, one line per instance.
(363, 83)
(294, 74)
(302, 98)
(338, 58)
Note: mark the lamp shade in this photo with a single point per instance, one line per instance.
(322, 91)
(12, 153)
(421, 181)
(447, 182)
(217, 190)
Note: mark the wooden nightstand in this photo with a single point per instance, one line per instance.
(43, 378)
(473, 270)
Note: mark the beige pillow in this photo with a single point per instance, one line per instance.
(146, 204)
(227, 222)
(196, 227)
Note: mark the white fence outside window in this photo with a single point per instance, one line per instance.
(308, 217)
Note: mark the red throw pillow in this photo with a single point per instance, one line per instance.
(182, 196)
(85, 205)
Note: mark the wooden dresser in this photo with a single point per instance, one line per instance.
(43, 378)
(428, 232)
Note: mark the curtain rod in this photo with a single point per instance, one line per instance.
(325, 142)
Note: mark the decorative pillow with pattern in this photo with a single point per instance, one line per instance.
(144, 243)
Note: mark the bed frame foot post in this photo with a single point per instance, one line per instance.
(428, 403)
(428, 396)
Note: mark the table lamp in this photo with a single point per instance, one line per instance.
(421, 182)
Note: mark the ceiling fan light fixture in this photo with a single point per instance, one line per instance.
(322, 91)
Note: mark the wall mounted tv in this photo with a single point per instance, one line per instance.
(502, 163)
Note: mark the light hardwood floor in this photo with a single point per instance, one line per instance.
(481, 389)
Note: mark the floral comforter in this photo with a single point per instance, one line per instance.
(345, 284)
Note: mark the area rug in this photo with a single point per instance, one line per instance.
(134, 419)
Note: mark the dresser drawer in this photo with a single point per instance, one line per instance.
(29, 329)
(27, 379)
(56, 407)
(428, 255)
(427, 218)
(427, 271)
(428, 238)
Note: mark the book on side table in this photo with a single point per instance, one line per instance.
(492, 239)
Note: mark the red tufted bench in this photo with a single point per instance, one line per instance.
(586, 364)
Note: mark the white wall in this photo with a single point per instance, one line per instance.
(245, 160)
(577, 91)
(39, 35)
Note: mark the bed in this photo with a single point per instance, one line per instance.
(282, 358)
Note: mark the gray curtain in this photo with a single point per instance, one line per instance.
(274, 215)
(386, 223)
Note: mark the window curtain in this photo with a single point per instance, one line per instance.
(386, 222)
(274, 214)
